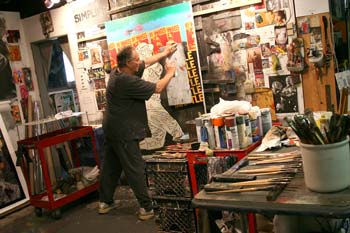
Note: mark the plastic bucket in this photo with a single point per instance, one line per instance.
(326, 167)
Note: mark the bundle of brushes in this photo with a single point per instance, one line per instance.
(332, 131)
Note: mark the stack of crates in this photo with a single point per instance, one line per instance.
(170, 188)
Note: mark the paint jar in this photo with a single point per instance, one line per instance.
(209, 133)
(241, 131)
(326, 167)
(266, 120)
(219, 132)
(199, 125)
(231, 133)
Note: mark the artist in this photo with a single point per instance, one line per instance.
(125, 125)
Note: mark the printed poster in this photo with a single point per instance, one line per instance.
(156, 28)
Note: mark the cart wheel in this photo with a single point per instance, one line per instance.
(56, 214)
(38, 212)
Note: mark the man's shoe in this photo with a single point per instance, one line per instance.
(104, 208)
(144, 215)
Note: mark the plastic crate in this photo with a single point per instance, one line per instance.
(168, 178)
(197, 164)
(174, 216)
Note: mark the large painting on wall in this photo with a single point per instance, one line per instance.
(156, 28)
(149, 32)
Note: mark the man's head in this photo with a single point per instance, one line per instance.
(128, 59)
(289, 81)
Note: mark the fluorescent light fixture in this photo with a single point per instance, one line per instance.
(49, 3)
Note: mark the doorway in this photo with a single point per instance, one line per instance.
(55, 76)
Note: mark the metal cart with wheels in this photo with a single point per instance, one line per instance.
(47, 198)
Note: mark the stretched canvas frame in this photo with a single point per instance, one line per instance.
(16, 172)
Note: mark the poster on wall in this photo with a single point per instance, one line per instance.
(285, 93)
(149, 32)
(157, 27)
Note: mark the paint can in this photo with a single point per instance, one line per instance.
(209, 133)
(231, 133)
(219, 132)
(241, 130)
(199, 125)
(248, 129)
(266, 120)
(253, 116)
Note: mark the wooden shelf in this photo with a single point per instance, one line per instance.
(218, 81)
(132, 6)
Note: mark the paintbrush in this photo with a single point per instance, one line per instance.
(261, 183)
(270, 187)
(275, 159)
(267, 161)
(268, 169)
(290, 171)
(275, 155)
(281, 179)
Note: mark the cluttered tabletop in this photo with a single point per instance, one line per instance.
(270, 182)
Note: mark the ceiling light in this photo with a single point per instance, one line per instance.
(56, 1)
(49, 3)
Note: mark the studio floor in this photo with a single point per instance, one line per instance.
(81, 216)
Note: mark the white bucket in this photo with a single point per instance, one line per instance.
(326, 167)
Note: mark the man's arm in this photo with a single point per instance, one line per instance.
(169, 49)
(170, 68)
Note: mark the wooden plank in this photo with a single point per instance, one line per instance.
(315, 96)
(220, 7)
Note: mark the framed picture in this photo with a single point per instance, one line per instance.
(13, 188)
(63, 100)
(285, 93)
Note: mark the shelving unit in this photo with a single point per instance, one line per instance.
(46, 200)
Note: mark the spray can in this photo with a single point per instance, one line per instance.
(248, 129)
(254, 125)
(266, 120)
(210, 133)
(219, 132)
(241, 131)
(231, 133)
(199, 125)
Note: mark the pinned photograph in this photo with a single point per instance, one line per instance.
(27, 75)
(15, 53)
(96, 58)
(13, 36)
(285, 94)
(281, 37)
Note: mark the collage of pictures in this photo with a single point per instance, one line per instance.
(95, 56)
(257, 51)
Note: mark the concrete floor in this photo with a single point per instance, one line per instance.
(81, 217)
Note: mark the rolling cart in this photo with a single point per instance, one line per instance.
(47, 199)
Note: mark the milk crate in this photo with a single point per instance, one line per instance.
(172, 216)
(168, 178)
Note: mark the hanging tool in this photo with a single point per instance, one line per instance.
(328, 54)
(316, 57)
(343, 107)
